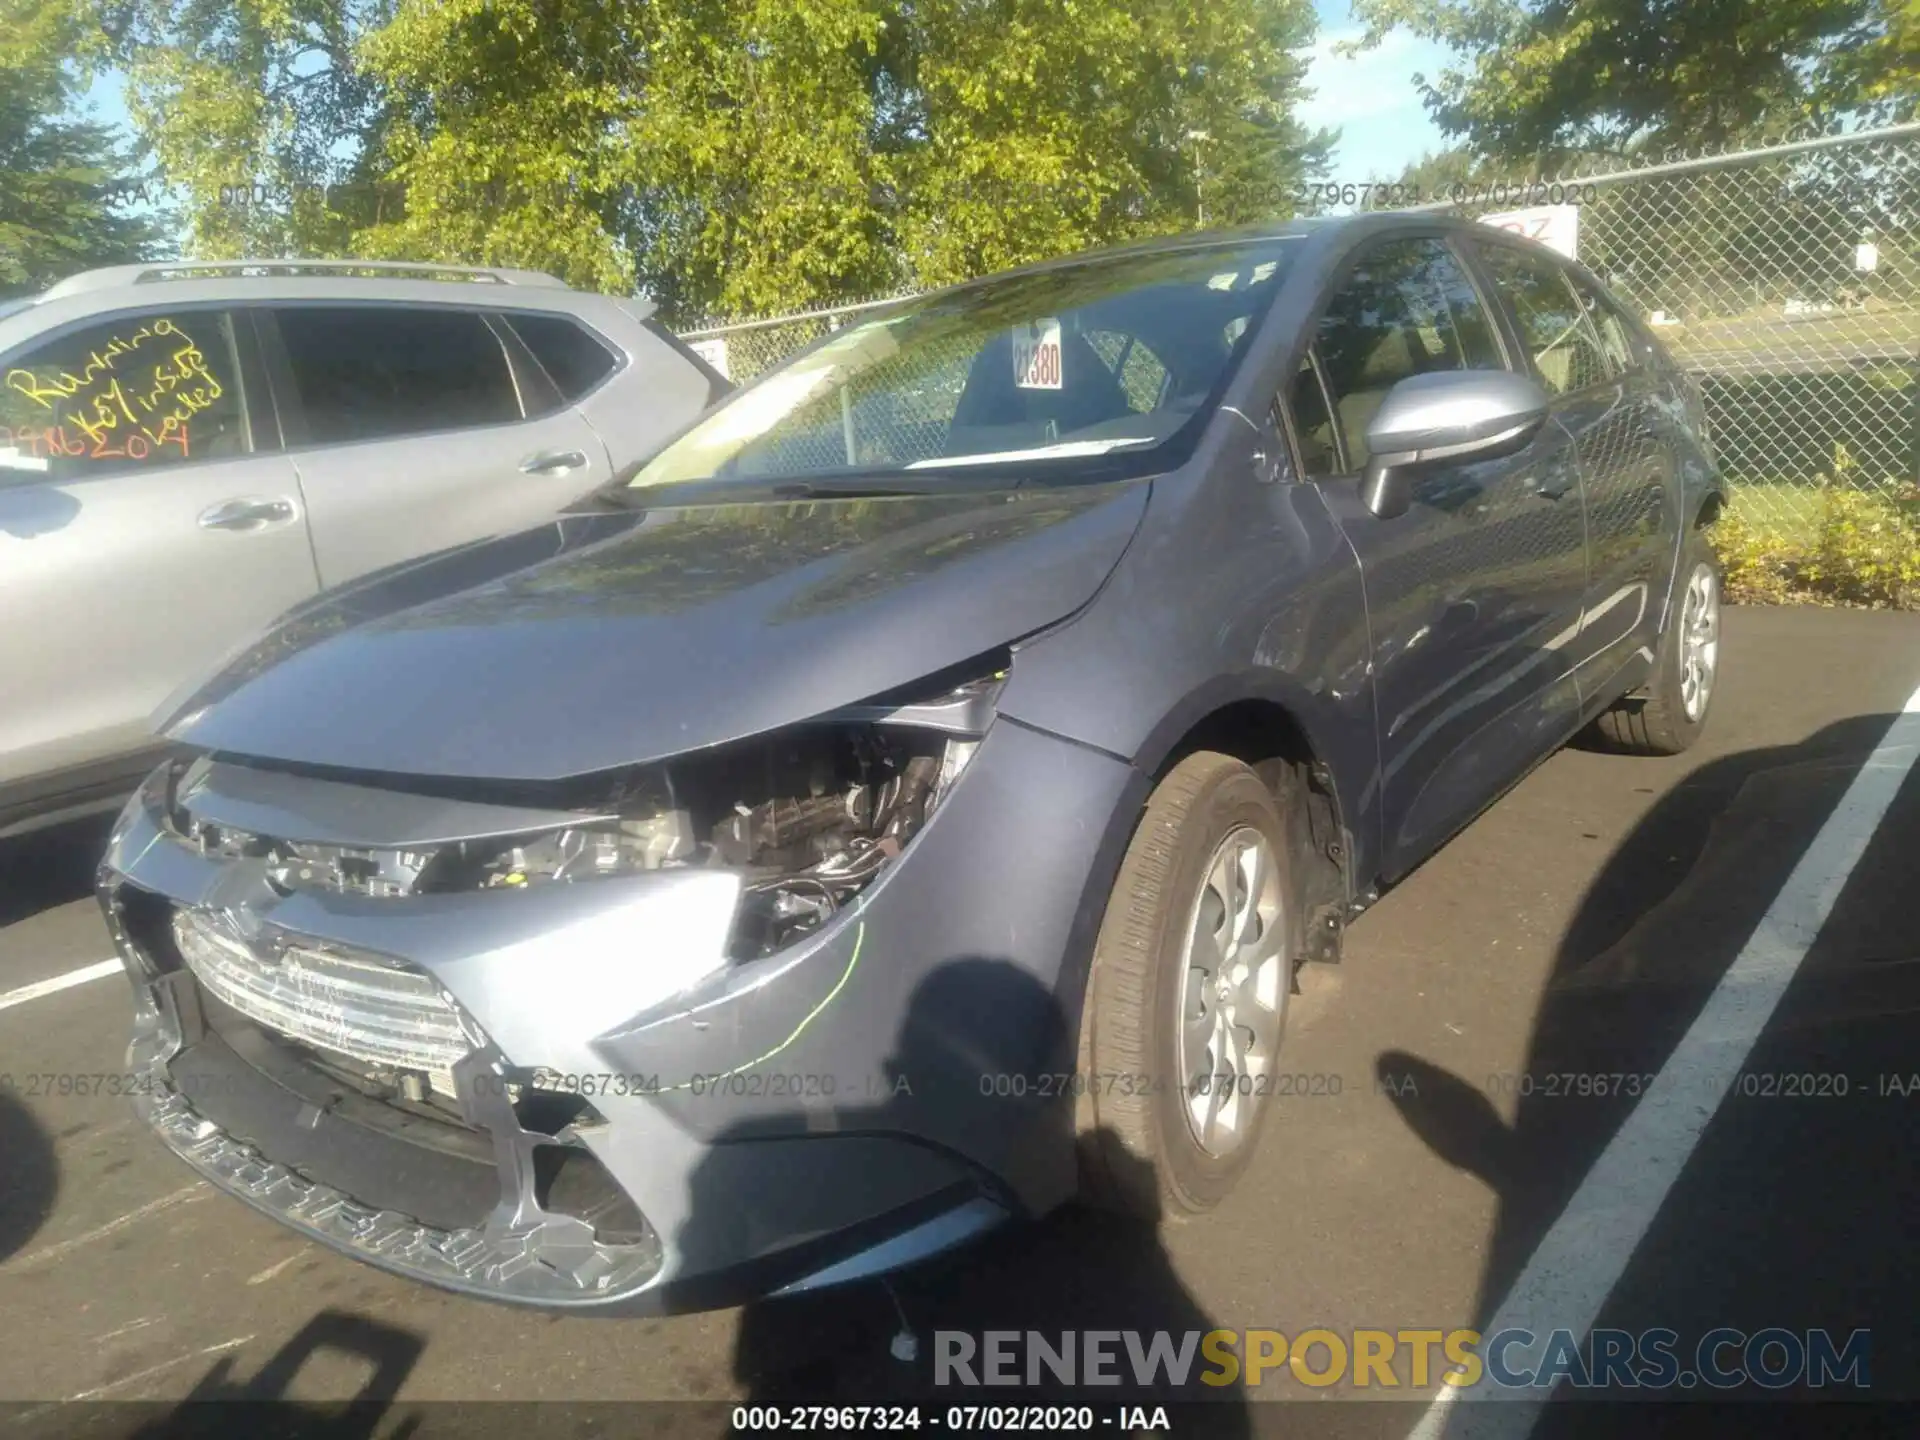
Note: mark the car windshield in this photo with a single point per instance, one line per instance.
(1056, 371)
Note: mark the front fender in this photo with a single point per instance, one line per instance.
(1233, 591)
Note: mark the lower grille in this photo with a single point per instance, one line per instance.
(361, 1006)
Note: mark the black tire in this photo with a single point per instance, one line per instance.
(1657, 721)
(1138, 1152)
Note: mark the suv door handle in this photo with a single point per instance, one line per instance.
(246, 514)
(553, 462)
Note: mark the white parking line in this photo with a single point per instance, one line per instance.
(272, 1270)
(21, 1418)
(199, 1190)
(1581, 1258)
(59, 982)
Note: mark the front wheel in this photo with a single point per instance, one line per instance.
(1672, 712)
(1187, 996)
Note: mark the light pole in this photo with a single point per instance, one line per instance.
(1198, 137)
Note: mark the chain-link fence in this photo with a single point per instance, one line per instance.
(1786, 280)
(741, 349)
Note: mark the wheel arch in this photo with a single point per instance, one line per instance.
(1256, 718)
(1267, 733)
(1273, 725)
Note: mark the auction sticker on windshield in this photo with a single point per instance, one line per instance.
(1036, 354)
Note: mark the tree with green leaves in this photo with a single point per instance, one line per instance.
(258, 112)
(1438, 172)
(1542, 79)
(63, 179)
(726, 156)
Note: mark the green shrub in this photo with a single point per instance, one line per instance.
(1868, 552)
(1863, 549)
(1759, 562)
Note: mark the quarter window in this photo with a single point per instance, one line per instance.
(367, 373)
(141, 392)
(573, 359)
(1408, 308)
(1553, 323)
(1312, 423)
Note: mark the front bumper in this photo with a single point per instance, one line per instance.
(883, 1089)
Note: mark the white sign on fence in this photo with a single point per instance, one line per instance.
(714, 352)
(1555, 226)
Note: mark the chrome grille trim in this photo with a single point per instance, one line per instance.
(377, 1012)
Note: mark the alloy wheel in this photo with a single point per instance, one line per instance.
(1699, 641)
(1234, 994)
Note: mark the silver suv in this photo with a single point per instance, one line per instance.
(188, 450)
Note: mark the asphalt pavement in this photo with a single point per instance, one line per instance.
(1476, 1135)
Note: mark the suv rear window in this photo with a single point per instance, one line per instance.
(370, 373)
(574, 360)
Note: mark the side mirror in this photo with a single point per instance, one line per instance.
(1445, 415)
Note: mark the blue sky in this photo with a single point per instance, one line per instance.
(107, 102)
(1370, 99)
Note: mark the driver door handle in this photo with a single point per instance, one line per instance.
(553, 462)
(247, 513)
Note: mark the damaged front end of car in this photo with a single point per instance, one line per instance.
(378, 1007)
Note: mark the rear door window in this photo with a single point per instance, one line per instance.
(1408, 308)
(1554, 325)
(379, 372)
(574, 360)
(136, 393)
(1616, 338)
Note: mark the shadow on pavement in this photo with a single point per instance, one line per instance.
(1078, 1270)
(50, 867)
(29, 1175)
(220, 1405)
(1794, 1210)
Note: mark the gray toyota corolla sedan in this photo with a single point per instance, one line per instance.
(902, 803)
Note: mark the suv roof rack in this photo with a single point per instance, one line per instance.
(113, 277)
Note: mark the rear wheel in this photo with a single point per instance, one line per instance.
(1187, 996)
(1672, 712)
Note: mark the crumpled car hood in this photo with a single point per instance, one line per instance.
(602, 641)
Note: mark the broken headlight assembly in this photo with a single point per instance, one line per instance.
(808, 816)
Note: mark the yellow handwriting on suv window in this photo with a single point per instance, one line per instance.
(100, 399)
(47, 390)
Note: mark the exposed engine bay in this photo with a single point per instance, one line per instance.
(809, 816)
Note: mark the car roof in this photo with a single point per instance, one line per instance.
(115, 277)
(1327, 232)
(1332, 230)
(162, 283)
